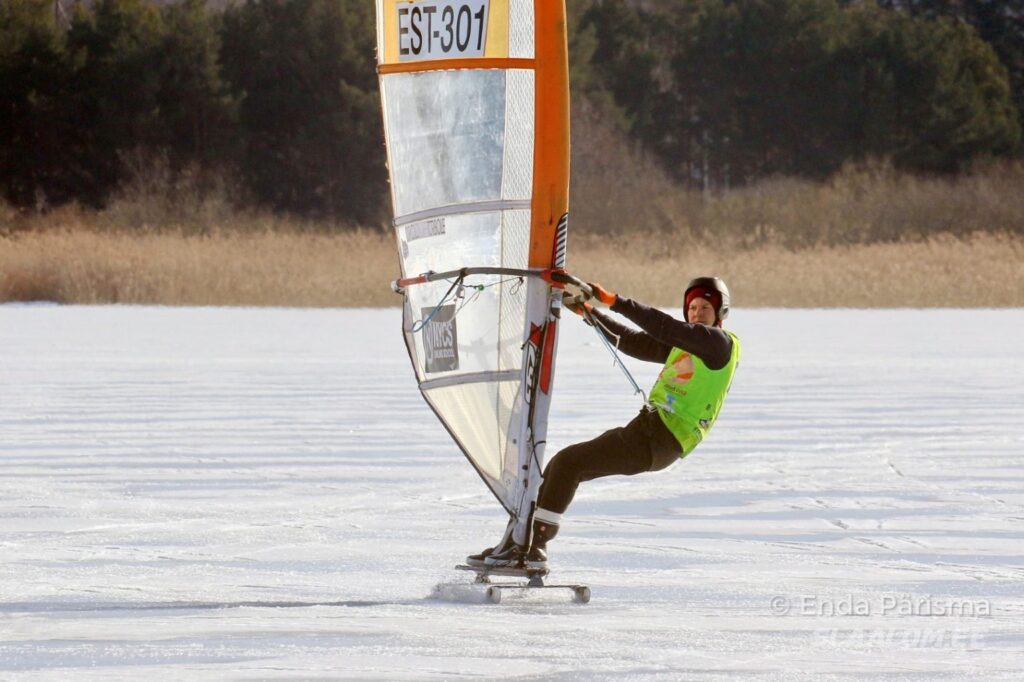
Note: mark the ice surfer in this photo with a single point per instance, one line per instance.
(699, 359)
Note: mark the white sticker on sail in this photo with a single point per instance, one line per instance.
(442, 29)
(521, 29)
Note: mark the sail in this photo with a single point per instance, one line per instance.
(475, 103)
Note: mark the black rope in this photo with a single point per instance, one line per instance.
(458, 287)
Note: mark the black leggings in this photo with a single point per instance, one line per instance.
(644, 444)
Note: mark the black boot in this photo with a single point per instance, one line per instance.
(513, 556)
(479, 560)
(509, 555)
(537, 557)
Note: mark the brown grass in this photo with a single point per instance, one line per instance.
(252, 268)
(984, 270)
(869, 237)
(617, 189)
(867, 204)
(74, 262)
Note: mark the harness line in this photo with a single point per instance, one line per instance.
(601, 332)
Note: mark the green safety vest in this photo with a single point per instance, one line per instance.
(689, 396)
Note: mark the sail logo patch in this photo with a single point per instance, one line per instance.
(428, 228)
(440, 339)
(442, 29)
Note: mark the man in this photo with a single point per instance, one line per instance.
(699, 360)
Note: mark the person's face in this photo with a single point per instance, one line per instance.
(701, 312)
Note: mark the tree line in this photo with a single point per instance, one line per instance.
(281, 95)
(726, 92)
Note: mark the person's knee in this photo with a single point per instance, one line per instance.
(558, 470)
(566, 464)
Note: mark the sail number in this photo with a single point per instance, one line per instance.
(439, 29)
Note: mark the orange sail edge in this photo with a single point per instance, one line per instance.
(456, 64)
(551, 142)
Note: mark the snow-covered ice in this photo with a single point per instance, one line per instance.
(262, 494)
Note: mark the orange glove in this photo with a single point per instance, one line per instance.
(602, 295)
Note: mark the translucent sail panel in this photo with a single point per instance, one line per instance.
(450, 242)
(458, 137)
(483, 330)
(480, 417)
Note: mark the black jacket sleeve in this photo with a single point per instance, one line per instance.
(632, 342)
(662, 332)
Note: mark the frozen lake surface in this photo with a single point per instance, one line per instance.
(263, 494)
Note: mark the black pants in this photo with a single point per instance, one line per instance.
(644, 444)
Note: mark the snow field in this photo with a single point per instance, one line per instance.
(262, 494)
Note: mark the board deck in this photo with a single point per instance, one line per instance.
(484, 573)
(534, 581)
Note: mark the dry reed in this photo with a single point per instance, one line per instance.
(869, 237)
(983, 270)
(261, 268)
(290, 268)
